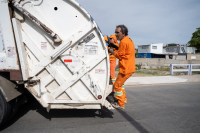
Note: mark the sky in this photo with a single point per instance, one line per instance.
(148, 21)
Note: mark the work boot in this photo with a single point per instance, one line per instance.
(115, 105)
(111, 98)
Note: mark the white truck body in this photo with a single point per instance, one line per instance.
(66, 68)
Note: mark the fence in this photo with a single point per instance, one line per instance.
(189, 69)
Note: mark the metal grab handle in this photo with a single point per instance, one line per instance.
(61, 51)
(38, 22)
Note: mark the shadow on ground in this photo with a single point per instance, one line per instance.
(70, 113)
(56, 113)
(133, 122)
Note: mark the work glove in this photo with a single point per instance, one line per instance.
(111, 50)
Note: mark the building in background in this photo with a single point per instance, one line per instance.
(151, 51)
(181, 49)
(159, 51)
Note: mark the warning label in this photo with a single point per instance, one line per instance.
(91, 49)
(44, 45)
(88, 38)
(99, 71)
(11, 52)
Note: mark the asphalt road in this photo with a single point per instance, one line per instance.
(150, 109)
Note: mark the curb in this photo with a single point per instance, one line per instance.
(132, 81)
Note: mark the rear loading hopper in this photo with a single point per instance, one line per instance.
(60, 52)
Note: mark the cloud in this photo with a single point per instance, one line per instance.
(148, 21)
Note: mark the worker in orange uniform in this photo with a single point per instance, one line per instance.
(113, 39)
(126, 56)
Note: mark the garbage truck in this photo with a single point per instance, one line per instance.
(54, 51)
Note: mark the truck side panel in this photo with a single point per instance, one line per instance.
(9, 67)
(8, 57)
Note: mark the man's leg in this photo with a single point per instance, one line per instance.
(121, 78)
(123, 90)
(118, 90)
(112, 71)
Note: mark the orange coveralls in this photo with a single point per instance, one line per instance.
(112, 60)
(126, 56)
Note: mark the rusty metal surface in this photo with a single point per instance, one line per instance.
(34, 19)
(15, 75)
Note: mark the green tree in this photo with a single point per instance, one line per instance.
(195, 40)
(136, 52)
(172, 44)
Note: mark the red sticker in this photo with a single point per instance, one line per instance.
(67, 60)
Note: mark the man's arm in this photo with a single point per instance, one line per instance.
(121, 52)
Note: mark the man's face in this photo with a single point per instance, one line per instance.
(119, 34)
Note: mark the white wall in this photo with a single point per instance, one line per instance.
(158, 46)
(191, 50)
(151, 48)
(144, 49)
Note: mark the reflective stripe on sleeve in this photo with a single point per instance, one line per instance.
(113, 80)
(118, 93)
(123, 87)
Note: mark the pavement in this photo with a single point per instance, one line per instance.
(162, 80)
(168, 108)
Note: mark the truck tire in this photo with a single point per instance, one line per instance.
(5, 109)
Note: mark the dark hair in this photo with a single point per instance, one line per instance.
(124, 30)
